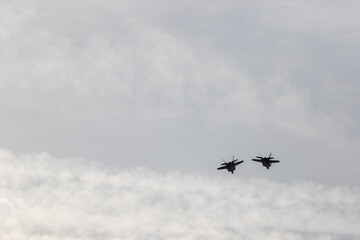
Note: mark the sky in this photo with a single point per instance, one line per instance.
(44, 197)
(97, 94)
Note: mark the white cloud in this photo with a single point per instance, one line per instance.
(43, 197)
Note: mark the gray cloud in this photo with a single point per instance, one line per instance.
(44, 197)
(90, 61)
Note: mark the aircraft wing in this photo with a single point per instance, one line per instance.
(237, 163)
(219, 168)
(256, 160)
(274, 161)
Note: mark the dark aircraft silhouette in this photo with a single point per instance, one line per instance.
(230, 166)
(266, 161)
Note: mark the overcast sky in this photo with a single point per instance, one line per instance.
(172, 88)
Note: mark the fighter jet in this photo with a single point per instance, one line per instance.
(266, 161)
(230, 166)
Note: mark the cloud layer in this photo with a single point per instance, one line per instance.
(43, 197)
(174, 62)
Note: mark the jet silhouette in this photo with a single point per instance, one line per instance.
(266, 161)
(230, 166)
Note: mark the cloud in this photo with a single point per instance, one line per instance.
(116, 59)
(333, 20)
(79, 64)
(84, 60)
(44, 197)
